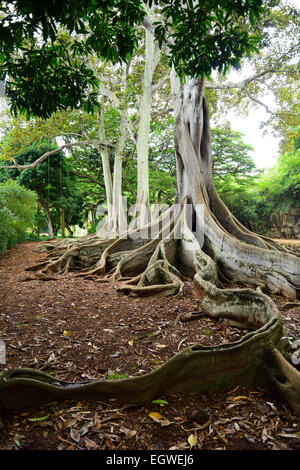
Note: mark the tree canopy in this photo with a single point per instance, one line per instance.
(44, 72)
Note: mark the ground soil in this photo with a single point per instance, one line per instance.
(79, 329)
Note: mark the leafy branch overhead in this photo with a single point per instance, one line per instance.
(44, 74)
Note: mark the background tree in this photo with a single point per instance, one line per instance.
(278, 193)
(55, 185)
(235, 174)
(17, 210)
(268, 80)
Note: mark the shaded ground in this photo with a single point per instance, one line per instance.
(81, 330)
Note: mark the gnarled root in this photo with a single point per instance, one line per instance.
(195, 369)
(283, 378)
(254, 359)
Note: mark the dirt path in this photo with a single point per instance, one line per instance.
(81, 330)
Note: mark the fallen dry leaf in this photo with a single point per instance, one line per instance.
(192, 440)
(75, 435)
(90, 445)
(158, 418)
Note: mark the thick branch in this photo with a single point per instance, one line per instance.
(116, 102)
(50, 153)
(241, 85)
(260, 103)
(86, 176)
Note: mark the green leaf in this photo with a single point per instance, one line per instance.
(117, 376)
(160, 402)
(42, 418)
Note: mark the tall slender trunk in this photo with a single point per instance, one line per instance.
(118, 219)
(62, 222)
(142, 142)
(38, 218)
(47, 213)
(106, 167)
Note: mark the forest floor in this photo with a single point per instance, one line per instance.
(79, 330)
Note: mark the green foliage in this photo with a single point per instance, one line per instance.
(276, 68)
(278, 190)
(45, 75)
(261, 199)
(17, 209)
(53, 181)
(208, 35)
(241, 199)
(234, 172)
(230, 154)
(20, 134)
(33, 237)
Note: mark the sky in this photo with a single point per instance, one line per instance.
(266, 147)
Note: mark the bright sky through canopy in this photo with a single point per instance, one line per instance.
(266, 147)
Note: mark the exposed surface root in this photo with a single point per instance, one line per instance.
(283, 377)
(162, 264)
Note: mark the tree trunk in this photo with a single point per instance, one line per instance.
(38, 219)
(106, 167)
(241, 256)
(47, 213)
(142, 215)
(69, 230)
(118, 223)
(62, 222)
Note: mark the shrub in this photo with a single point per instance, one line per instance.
(17, 210)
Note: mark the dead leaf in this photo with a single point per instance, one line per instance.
(192, 440)
(128, 432)
(75, 435)
(155, 416)
(52, 358)
(237, 428)
(90, 445)
(264, 436)
(158, 418)
(200, 417)
(116, 354)
(242, 398)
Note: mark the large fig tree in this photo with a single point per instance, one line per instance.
(197, 237)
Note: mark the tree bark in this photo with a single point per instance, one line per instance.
(47, 213)
(142, 215)
(118, 223)
(38, 219)
(62, 222)
(106, 166)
